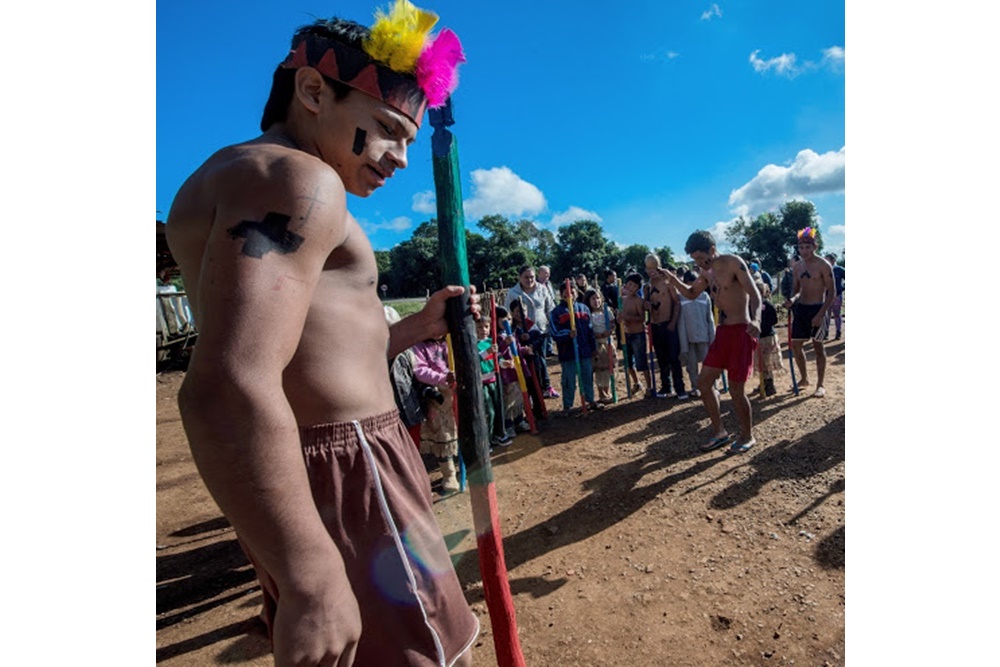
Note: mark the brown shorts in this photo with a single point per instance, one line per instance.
(374, 495)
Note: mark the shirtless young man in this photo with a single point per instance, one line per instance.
(813, 294)
(287, 403)
(736, 337)
(664, 314)
(633, 317)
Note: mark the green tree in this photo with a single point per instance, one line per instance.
(796, 215)
(765, 238)
(384, 263)
(631, 258)
(582, 248)
(415, 266)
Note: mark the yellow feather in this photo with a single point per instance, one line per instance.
(397, 38)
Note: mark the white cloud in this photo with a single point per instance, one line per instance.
(834, 56)
(711, 12)
(810, 174)
(787, 63)
(783, 64)
(400, 224)
(502, 192)
(836, 229)
(425, 202)
(572, 214)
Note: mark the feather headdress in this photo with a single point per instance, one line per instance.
(401, 64)
(807, 234)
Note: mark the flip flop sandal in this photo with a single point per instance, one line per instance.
(740, 448)
(715, 443)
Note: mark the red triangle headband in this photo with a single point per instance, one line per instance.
(357, 69)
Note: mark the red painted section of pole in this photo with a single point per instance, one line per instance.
(491, 561)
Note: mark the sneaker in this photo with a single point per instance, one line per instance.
(505, 441)
(650, 393)
(665, 393)
(682, 396)
(769, 389)
(522, 426)
(695, 393)
(551, 393)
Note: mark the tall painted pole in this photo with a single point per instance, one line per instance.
(571, 304)
(621, 330)
(473, 439)
(612, 354)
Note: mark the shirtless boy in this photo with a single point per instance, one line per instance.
(664, 314)
(287, 403)
(633, 317)
(813, 294)
(736, 337)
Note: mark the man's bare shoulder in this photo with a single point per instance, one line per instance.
(729, 265)
(261, 168)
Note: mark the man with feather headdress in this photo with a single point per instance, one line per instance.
(287, 402)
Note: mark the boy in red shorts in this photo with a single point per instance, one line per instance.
(736, 337)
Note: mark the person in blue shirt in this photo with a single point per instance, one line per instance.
(562, 333)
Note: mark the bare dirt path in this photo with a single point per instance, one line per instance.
(625, 545)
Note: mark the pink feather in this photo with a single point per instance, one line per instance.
(437, 67)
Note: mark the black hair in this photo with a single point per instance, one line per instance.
(689, 277)
(589, 293)
(700, 241)
(517, 303)
(634, 278)
(283, 82)
(610, 272)
(524, 268)
(502, 313)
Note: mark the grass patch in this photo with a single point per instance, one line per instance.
(406, 306)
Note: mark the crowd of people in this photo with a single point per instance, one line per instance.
(715, 320)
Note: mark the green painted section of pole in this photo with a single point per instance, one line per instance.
(473, 439)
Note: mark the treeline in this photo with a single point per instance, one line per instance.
(413, 266)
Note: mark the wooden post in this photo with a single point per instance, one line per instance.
(473, 439)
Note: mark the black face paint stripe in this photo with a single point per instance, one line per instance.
(360, 136)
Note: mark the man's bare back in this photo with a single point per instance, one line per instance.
(221, 236)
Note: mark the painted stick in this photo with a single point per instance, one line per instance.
(791, 354)
(725, 385)
(760, 368)
(520, 377)
(496, 361)
(454, 409)
(571, 304)
(628, 357)
(473, 441)
(537, 385)
(612, 356)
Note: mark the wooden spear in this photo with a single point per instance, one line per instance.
(473, 439)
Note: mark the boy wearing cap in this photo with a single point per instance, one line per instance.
(287, 402)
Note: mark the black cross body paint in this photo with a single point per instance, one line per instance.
(270, 235)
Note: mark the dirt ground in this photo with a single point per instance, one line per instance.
(624, 544)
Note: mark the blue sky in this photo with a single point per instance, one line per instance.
(653, 118)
